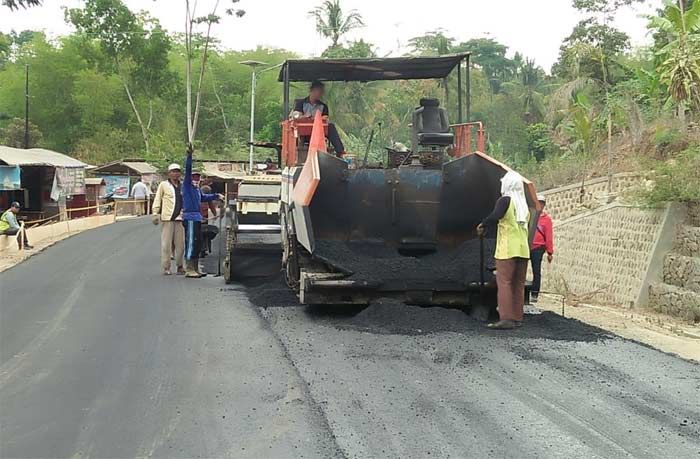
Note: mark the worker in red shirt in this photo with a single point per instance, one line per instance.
(542, 243)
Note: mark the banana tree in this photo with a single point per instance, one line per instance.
(580, 127)
(679, 70)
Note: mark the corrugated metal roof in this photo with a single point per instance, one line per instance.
(141, 167)
(94, 181)
(37, 157)
(235, 170)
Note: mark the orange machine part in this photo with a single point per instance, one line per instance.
(291, 131)
(463, 138)
(310, 176)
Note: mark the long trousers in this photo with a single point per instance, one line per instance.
(510, 278)
(334, 139)
(172, 235)
(193, 239)
(16, 231)
(536, 256)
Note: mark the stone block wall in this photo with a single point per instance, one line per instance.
(606, 250)
(678, 293)
(676, 301)
(688, 241)
(693, 217)
(565, 202)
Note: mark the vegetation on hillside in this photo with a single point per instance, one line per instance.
(116, 88)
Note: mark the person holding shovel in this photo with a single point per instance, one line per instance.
(511, 215)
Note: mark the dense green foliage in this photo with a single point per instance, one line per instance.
(116, 88)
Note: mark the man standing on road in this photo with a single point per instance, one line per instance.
(10, 227)
(542, 243)
(192, 198)
(512, 215)
(167, 209)
(140, 192)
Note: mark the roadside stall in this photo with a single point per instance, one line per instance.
(48, 183)
(120, 176)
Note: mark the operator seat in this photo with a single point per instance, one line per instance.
(430, 125)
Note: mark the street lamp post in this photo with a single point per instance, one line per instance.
(253, 65)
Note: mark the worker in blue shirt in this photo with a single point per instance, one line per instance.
(192, 218)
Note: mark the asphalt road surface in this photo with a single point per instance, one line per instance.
(101, 356)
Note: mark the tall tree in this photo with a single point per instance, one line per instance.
(490, 56)
(332, 23)
(529, 88)
(136, 48)
(191, 38)
(13, 134)
(15, 4)
(434, 43)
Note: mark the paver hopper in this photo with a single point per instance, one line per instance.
(408, 230)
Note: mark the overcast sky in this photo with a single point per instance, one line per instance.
(533, 27)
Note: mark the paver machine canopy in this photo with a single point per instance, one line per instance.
(351, 233)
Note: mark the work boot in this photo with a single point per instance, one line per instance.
(191, 270)
(503, 325)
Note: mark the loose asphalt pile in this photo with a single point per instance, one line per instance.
(369, 261)
(392, 317)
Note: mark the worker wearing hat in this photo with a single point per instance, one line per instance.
(167, 210)
(542, 243)
(10, 227)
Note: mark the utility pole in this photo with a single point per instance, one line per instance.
(253, 65)
(26, 106)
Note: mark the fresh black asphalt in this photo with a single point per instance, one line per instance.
(101, 356)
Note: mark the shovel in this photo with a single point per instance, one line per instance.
(221, 237)
(481, 268)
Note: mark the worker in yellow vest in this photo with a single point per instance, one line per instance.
(10, 227)
(511, 215)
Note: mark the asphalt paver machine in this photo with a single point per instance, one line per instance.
(351, 233)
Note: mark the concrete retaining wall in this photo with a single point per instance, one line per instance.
(565, 202)
(609, 250)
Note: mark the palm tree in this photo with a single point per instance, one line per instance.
(330, 22)
(15, 4)
(680, 66)
(529, 88)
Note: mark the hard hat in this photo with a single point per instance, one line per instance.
(541, 198)
(174, 167)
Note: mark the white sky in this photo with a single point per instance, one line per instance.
(533, 27)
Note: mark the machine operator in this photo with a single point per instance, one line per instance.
(307, 108)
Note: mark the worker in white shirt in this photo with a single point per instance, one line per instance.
(140, 192)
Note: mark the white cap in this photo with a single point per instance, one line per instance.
(174, 167)
(541, 198)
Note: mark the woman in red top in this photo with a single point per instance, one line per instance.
(542, 243)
